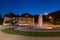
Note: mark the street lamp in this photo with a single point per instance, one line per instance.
(46, 16)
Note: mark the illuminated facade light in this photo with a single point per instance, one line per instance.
(50, 17)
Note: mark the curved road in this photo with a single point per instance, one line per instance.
(5, 36)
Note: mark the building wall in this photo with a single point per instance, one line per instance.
(20, 20)
(26, 21)
(7, 21)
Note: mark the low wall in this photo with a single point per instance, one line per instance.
(36, 30)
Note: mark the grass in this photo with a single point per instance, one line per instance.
(43, 34)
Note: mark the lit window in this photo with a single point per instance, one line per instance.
(13, 18)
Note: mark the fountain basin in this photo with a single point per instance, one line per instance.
(27, 29)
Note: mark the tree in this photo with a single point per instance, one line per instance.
(1, 20)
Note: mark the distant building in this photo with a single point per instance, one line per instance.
(55, 17)
(8, 18)
(25, 19)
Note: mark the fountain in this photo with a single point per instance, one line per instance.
(40, 21)
(41, 25)
(37, 28)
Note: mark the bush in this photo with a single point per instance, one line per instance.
(43, 34)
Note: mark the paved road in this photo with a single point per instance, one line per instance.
(5, 36)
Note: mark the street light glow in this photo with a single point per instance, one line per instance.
(50, 17)
(46, 13)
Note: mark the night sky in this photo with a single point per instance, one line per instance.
(30, 6)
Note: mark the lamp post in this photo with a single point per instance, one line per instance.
(46, 14)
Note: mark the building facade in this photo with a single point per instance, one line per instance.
(24, 19)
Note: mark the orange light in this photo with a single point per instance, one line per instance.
(50, 17)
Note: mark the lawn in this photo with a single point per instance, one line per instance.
(43, 34)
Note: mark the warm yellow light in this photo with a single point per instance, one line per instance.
(50, 17)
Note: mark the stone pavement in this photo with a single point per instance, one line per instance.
(5, 36)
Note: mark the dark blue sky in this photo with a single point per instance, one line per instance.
(31, 6)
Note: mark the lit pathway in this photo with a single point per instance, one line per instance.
(5, 36)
